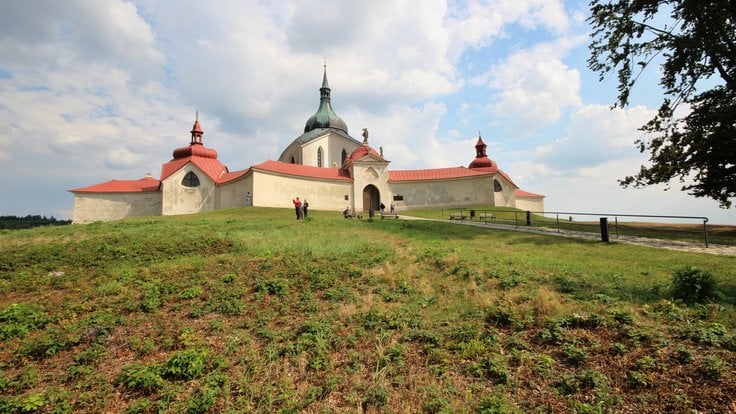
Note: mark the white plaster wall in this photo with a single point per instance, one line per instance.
(366, 173)
(472, 191)
(90, 207)
(337, 144)
(233, 193)
(274, 190)
(293, 150)
(332, 146)
(505, 197)
(530, 203)
(178, 199)
(309, 151)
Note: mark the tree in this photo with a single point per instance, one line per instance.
(695, 42)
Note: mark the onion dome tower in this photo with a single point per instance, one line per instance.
(325, 117)
(481, 159)
(196, 148)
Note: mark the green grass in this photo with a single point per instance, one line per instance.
(248, 310)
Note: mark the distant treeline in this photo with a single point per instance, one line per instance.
(15, 222)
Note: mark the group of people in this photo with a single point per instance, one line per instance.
(392, 207)
(301, 208)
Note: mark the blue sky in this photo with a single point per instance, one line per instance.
(93, 90)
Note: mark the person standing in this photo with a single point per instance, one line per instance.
(393, 208)
(305, 207)
(383, 207)
(297, 207)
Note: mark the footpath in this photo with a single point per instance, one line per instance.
(719, 249)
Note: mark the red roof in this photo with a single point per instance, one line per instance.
(146, 184)
(496, 170)
(433, 174)
(230, 176)
(521, 193)
(303, 170)
(210, 166)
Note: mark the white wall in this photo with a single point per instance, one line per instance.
(530, 203)
(178, 199)
(471, 191)
(90, 207)
(233, 193)
(274, 190)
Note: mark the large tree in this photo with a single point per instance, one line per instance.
(693, 43)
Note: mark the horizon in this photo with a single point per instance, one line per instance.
(92, 91)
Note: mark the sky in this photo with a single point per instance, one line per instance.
(94, 90)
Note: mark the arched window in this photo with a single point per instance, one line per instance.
(343, 157)
(293, 161)
(497, 186)
(319, 156)
(190, 180)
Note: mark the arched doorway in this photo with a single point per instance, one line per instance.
(371, 198)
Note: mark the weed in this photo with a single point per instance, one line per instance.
(574, 355)
(494, 369)
(191, 292)
(638, 379)
(543, 364)
(713, 334)
(693, 285)
(47, 344)
(493, 404)
(619, 349)
(712, 367)
(18, 319)
(376, 397)
(275, 286)
(564, 284)
(32, 402)
(140, 377)
(683, 354)
(186, 364)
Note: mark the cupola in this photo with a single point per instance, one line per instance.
(325, 116)
(196, 148)
(481, 159)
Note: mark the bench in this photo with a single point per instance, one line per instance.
(356, 214)
(457, 216)
(383, 216)
(486, 216)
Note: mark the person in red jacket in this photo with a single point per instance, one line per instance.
(297, 207)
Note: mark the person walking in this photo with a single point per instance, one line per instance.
(393, 208)
(305, 207)
(297, 207)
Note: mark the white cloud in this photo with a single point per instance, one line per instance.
(533, 88)
(597, 134)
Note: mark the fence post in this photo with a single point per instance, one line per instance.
(528, 218)
(558, 223)
(616, 218)
(604, 229)
(705, 231)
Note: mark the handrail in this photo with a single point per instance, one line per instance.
(557, 214)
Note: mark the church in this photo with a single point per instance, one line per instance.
(324, 165)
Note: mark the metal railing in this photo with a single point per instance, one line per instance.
(655, 226)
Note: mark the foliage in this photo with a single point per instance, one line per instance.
(232, 311)
(30, 221)
(696, 42)
(18, 319)
(693, 285)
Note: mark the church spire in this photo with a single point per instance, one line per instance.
(481, 158)
(196, 131)
(325, 116)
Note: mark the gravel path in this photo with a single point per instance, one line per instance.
(719, 249)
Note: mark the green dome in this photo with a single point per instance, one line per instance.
(325, 116)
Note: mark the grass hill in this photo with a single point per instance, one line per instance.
(248, 310)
